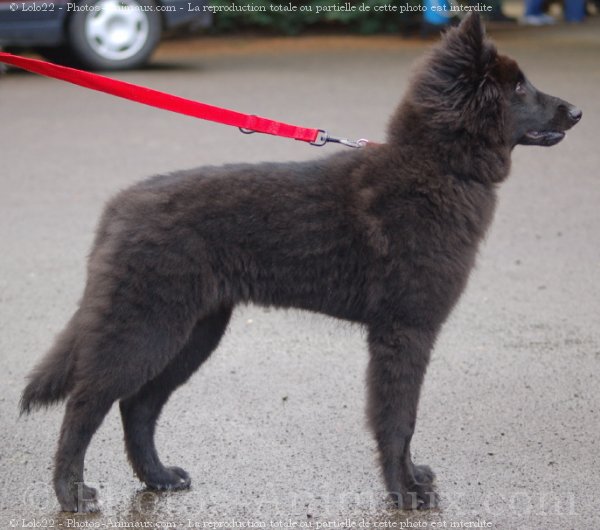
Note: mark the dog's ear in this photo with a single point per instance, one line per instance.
(467, 44)
(472, 28)
(464, 57)
(456, 84)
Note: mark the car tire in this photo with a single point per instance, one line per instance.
(113, 34)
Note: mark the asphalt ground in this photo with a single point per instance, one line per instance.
(272, 428)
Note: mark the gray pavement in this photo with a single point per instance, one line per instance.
(272, 429)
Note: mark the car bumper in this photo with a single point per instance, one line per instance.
(185, 12)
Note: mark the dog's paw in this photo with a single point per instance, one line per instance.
(417, 497)
(168, 478)
(423, 475)
(77, 497)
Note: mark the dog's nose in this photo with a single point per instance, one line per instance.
(575, 114)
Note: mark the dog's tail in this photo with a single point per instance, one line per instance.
(52, 379)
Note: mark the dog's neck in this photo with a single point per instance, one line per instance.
(454, 150)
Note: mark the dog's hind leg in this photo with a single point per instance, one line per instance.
(84, 413)
(122, 351)
(398, 360)
(140, 411)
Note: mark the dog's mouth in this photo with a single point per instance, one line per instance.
(545, 138)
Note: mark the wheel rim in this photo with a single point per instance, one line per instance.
(116, 30)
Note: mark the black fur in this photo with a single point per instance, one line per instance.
(384, 236)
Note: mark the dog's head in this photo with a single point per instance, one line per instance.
(467, 87)
(535, 118)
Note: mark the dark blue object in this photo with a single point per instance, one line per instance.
(43, 23)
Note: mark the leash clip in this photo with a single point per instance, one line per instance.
(324, 137)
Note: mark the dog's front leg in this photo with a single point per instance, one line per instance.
(398, 360)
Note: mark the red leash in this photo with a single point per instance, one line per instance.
(245, 122)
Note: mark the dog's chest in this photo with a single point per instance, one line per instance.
(432, 239)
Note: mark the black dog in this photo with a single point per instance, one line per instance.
(384, 236)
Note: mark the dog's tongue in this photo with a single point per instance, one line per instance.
(545, 138)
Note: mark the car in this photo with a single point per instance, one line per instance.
(96, 34)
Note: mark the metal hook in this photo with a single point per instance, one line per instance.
(323, 137)
(248, 131)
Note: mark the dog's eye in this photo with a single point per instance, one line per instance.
(520, 89)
